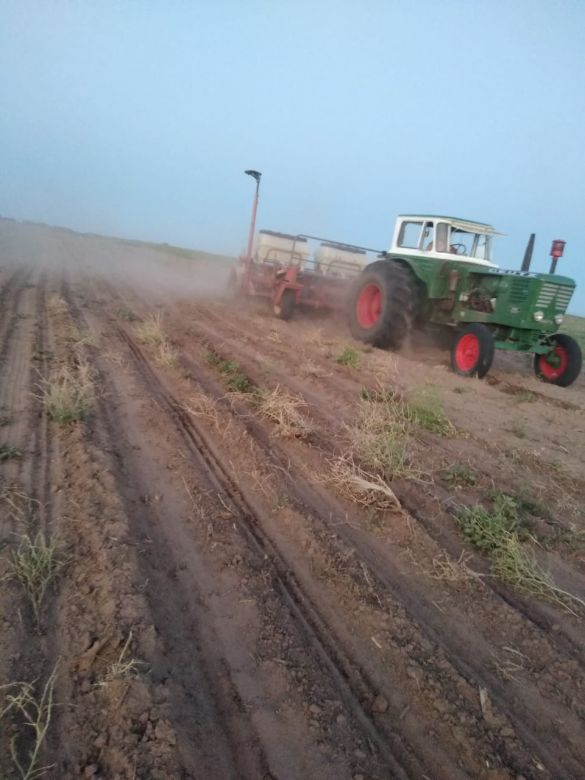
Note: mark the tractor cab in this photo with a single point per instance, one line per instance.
(443, 238)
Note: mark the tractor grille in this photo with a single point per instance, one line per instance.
(557, 293)
(519, 290)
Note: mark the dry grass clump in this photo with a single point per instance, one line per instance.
(380, 438)
(151, 331)
(69, 393)
(57, 304)
(35, 566)
(16, 506)
(34, 713)
(285, 410)
(166, 355)
(359, 486)
(313, 369)
(123, 667)
(202, 405)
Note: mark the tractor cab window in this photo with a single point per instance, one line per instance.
(468, 244)
(416, 235)
(462, 242)
(410, 235)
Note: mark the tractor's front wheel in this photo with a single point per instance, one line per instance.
(562, 365)
(382, 304)
(472, 352)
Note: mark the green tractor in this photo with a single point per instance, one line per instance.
(439, 272)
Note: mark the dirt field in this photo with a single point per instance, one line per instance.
(269, 560)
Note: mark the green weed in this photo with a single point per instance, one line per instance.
(501, 535)
(426, 411)
(459, 475)
(349, 357)
(35, 566)
(234, 378)
(7, 452)
(124, 313)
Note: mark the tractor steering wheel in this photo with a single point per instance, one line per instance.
(458, 249)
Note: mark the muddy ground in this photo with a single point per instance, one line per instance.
(228, 603)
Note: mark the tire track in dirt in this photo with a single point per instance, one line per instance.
(348, 677)
(215, 735)
(326, 510)
(187, 621)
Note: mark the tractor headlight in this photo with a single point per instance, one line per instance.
(538, 316)
(559, 319)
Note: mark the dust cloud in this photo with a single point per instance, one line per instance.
(153, 269)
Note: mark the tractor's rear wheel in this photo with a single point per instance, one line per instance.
(285, 307)
(472, 352)
(562, 365)
(382, 304)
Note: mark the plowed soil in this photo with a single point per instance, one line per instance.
(224, 607)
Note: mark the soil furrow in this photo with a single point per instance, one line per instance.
(349, 678)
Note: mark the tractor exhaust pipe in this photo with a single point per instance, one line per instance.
(528, 254)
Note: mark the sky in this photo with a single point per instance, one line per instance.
(137, 118)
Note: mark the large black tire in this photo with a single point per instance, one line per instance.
(284, 310)
(382, 304)
(472, 352)
(568, 361)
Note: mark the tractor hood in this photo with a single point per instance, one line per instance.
(517, 299)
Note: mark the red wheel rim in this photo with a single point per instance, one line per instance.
(467, 352)
(550, 372)
(369, 305)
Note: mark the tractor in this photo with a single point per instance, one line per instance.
(439, 272)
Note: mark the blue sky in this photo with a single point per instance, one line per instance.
(137, 118)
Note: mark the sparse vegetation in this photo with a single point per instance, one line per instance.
(35, 566)
(525, 396)
(125, 313)
(426, 411)
(15, 505)
(349, 357)
(501, 535)
(57, 304)
(313, 369)
(380, 438)
(150, 331)
(8, 452)
(518, 429)
(32, 713)
(380, 394)
(167, 356)
(358, 485)
(286, 410)
(234, 378)
(69, 394)
(123, 667)
(460, 475)
(42, 354)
